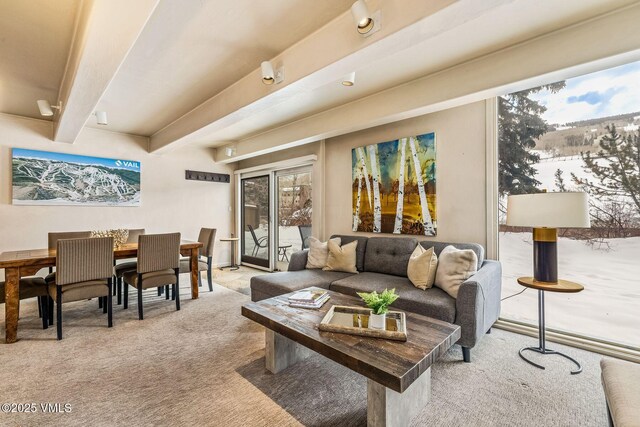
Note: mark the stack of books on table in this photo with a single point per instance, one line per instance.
(308, 299)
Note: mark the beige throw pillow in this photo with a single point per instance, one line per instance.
(342, 258)
(422, 267)
(318, 252)
(454, 267)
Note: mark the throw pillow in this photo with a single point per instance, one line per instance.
(342, 258)
(318, 253)
(422, 267)
(454, 267)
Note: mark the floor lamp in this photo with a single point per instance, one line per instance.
(546, 212)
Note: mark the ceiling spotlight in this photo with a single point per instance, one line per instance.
(349, 79)
(267, 73)
(46, 109)
(101, 117)
(362, 17)
(269, 76)
(230, 151)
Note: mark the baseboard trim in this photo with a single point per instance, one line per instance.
(607, 349)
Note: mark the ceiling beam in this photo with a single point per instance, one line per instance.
(321, 58)
(593, 46)
(105, 32)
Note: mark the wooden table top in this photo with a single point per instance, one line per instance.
(229, 239)
(36, 256)
(391, 363)
(561, 286)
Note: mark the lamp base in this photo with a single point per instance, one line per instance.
(545, 254)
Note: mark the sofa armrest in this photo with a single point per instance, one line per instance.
(478, 303)
(298, 260)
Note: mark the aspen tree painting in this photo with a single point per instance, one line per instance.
(394, 186)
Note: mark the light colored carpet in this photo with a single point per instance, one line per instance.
(238, 280)
(204, 365)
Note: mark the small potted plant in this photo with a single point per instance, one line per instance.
(379, 305)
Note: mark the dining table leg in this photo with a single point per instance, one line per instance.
(12, 303)
(194, 273)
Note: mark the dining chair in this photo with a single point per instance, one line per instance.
(258, 243)
(305, 233)
(207, 237)
(33, 287)
(158, 267)
(123, 267)
(53, 238)
(84, 270)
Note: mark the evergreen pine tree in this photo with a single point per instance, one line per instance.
(520, 124)
(619, 171)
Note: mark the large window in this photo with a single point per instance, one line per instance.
(579, 134)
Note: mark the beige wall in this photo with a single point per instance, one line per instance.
(169, 202)
(460, 171)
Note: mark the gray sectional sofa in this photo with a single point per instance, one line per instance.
(382, 263)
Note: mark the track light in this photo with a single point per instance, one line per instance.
(101, 117)
(349, 79)
(269, 76)
(362, 17)
(46, 109)
(267, 73)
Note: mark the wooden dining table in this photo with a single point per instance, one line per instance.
(28, 262)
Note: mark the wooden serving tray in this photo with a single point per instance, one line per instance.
(355, 321)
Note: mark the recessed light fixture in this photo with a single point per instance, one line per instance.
(46, 109)
(101, 117)
(349, 79)
(362, 17)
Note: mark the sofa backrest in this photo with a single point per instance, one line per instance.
(389, 255)
(360, 250)
(439, 246)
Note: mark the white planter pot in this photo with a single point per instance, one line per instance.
(377, 321)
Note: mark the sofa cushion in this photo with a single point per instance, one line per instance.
(389, 255)
(439, 246)
(360, 250)
(275, 284)
(433, 302)
(342, 258)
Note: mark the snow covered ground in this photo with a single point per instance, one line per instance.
(609, 306)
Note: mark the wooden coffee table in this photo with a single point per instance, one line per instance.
(399, 373)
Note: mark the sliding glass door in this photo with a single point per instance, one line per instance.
(255, 221)
(293, 199)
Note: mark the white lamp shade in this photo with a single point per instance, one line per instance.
(552, 210)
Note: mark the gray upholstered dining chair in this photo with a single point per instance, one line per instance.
(84, 270)
(53, 238)
(33, 287)
(207, 237)
(123, 267)
(158, 267)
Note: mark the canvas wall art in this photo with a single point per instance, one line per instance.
(46, 178)
(394, 186)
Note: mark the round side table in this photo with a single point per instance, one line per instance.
(559, 286)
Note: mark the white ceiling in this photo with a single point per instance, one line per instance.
(35, 37)
(192, 50)
(499, 28)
